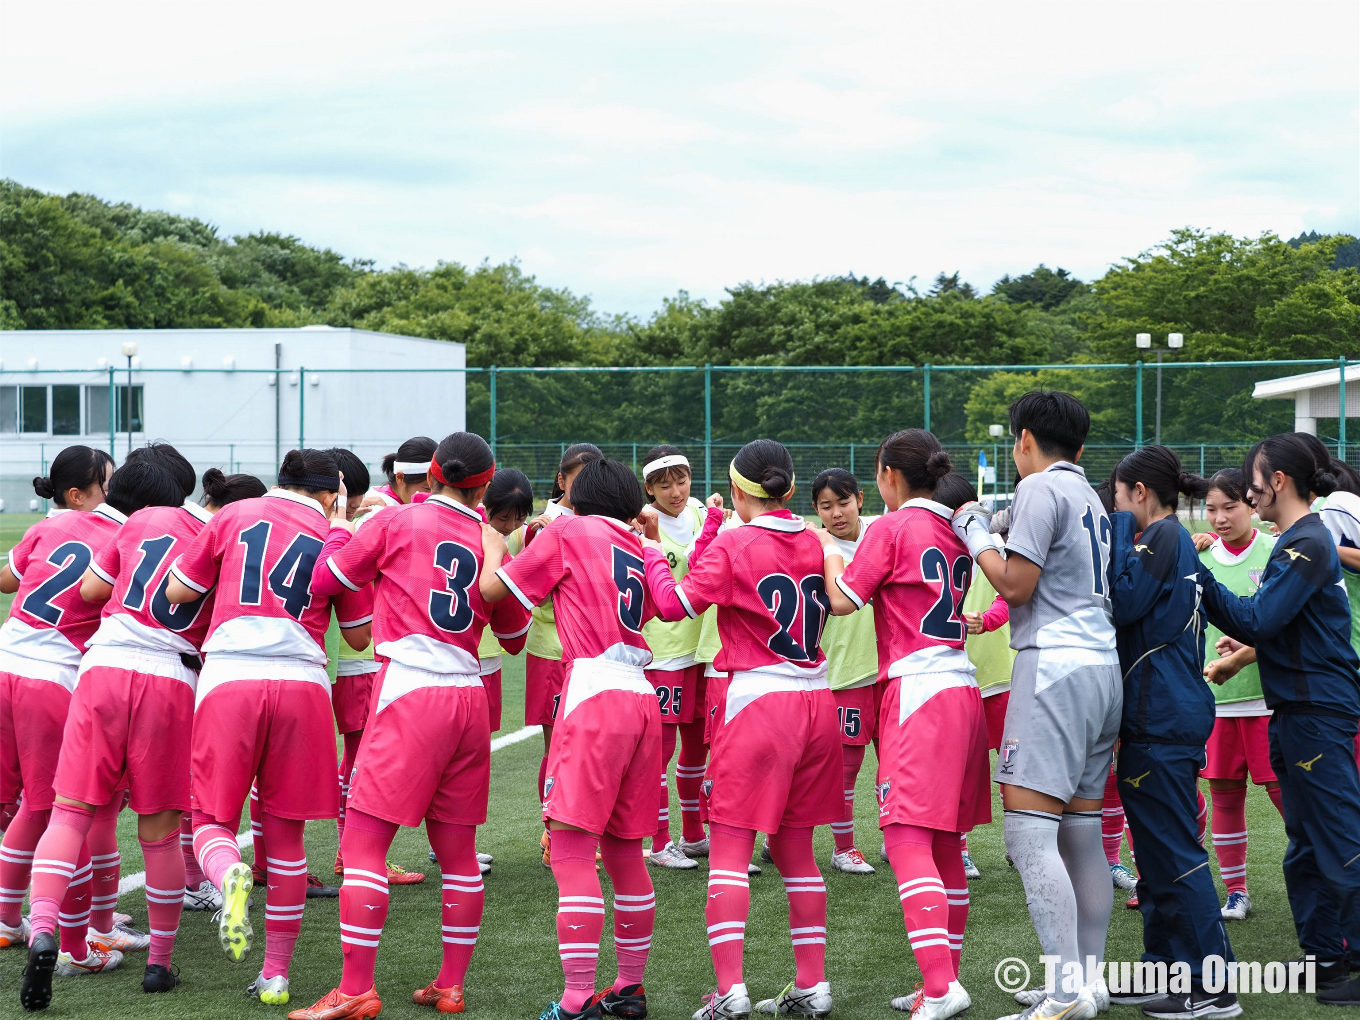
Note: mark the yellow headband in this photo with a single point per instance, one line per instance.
(753, 488)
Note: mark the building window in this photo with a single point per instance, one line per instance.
(9, 408)
(32, 408)
(65, 410)
(97, 410)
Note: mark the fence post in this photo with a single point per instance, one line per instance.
(1138, 405)
(112, 395)
(492, 388)
(1341, 419)
(302, 407)
(708, 430)
(927, 397)
(852, 458)
(635, 458)
(1201, 460)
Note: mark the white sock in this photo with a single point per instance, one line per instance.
(1083, 854)
(1032, 842)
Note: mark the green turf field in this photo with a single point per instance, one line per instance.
(516, 972)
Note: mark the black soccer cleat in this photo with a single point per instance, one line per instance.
(159, 979)
(1341, 993)
(35, 993)
(630, 1003)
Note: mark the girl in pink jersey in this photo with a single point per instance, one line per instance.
(41, 643)
(600, 790)
(426, 752)
(776, 751)
(407, 473)
(932, 771)
(262, 710)
(131, 715)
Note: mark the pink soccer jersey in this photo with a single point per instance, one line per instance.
(137, 564)
(593, 569)
(257, 556)
(916, 571)
(766, 580)
(48, 619)
(424, 560)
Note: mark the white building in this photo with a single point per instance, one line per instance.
(231, 398)
(1315, 395)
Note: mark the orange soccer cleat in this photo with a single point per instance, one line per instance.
(444, 1000)
(336, 1005)
(397, 875)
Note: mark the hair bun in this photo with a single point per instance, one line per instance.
(214, 484)
(1323, 482)
(43, 487)
(775, 480)
(453, 468)
(938, 465)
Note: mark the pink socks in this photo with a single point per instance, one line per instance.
(580, 913)
(363, 897)
(729, 899)
(925, 905)
(107, 863)
(663, 811)
(215, 847)
(634, 906)
(164, 894)
(287, 892)
(61, 856)
(689, 778)
(16, 860)
(345, 771)
(1230, 836)
(1112, 820)
(193, 874)
(803, 884)
(852, 757)
(950, 865)
(464, 896)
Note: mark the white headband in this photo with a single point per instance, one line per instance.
(409, 467)
(661, 463)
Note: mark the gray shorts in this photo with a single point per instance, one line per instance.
(1061, 723)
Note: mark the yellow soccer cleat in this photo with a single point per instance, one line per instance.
(233, 920)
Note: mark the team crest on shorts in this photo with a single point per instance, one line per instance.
(1009, 750)
(547, 787)
(882, 790)
(708, 787)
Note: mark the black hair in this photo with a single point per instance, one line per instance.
(1105, 493)
(461, 454)
(76, 467)
(170, 460)
(509, 490)
(769, 465)
(417, 450)
(1160, 471)
(665, 450)
(573, 457)
(142, 482)
(1292, 454)
(308, 468)
(1346, 478)
(954, 490)
(607, 488)
(1230, 482)
(918, 455)
(1058, 421)
(355, 470)
(220, 489)
(840, 481)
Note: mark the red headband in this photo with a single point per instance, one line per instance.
(470, 482)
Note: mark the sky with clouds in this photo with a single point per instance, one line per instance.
(627, 151)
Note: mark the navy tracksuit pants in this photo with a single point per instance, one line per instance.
(1314, 759)
(1182, 921)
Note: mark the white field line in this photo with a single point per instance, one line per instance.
(133, 882)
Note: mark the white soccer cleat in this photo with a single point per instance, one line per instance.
(883, 855)
(205, 897)
(272, 991)
(792, 1001)
(671, 856)
(923, 1007)
(1238, 907)
(1123, 878)
(123, 938)
(1031, 996)
(765, 854)
(483, 867)
(852, 862)
(735, 1005)
(1100, 994)
(1083, 1007)
(485, 858)
(699, 848)
(96, 962)
(970, 868)
(14, 938)
(753, 868)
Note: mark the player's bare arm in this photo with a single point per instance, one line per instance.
(94, 588)
(493, 554)
(177, 592)
(9, 584)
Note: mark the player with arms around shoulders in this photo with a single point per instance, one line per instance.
(426, 752)
(932, 773)
(1066, 696)
(776, 754)
(262, 708)
(600, 788)
(131, 714)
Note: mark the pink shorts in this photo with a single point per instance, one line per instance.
(933, 768)
(275, 733)
(603, 764)
(128, 728)
(351, 698)
(677, 693)
(491, 683)
(32, 717)
(426, 755)
(1239, 746)
(994, 708)
(777, 760)
(714, 698)
(542, 690)
(857, 713)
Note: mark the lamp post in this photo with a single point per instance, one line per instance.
(129, 352)
(996, 431)
(1174, 342)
